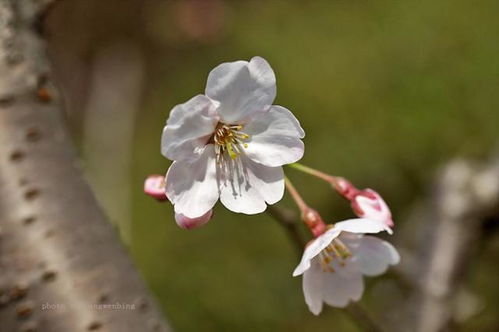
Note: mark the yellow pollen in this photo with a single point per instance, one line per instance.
(229, 138)
(336, 251)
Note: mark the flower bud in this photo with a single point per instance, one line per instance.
(369, 204)
(314, 221)
(154, 186)
(345, 188)
(190, 223)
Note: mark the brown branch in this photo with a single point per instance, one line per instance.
(60, 259)
(288, 220)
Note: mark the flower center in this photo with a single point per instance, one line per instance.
(229, 138)
(335, 251)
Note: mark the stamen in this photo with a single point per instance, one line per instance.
(325, 260)
(229, 138)
(332, 248)
(232, 154)
(341, 248)
(242, 135)
(335, 251)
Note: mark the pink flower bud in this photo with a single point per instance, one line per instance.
(190, 223)
(345, 188)
(314, 221)
(154, 186)
(369, 204)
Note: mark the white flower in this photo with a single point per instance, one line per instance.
(230, 143)
(333, 264)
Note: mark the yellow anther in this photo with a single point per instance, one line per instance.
(336, 251)
(341, 248)
(229, 138)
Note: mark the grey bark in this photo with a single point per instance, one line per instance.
(465, 195)
(62, 267)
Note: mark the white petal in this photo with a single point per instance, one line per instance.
(375, 255)
(188, 128)
(314, 248)
(313, 288)
(275, 138)
(243, 89)
(374, 208)
(245, 186)
(342, 286)
(192, 187)
(360, 225)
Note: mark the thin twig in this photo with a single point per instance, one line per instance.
(287, 219)
(296, 196)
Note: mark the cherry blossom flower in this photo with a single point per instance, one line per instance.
(230, 143)
(334, 263)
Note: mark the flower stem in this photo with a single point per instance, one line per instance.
(296, 196)
(309, 216)
(341, 185)
(321, 175)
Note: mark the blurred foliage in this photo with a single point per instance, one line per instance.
(386, 92)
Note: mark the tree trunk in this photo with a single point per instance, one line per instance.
(62, 267)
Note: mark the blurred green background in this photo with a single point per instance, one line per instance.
(387, 91)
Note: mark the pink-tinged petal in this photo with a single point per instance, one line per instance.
(313, 288)
(242, 88)
(360, 225)
(191, 223)
(369, 204)
(192, 187)
(275, 138)
(314, 248)
(188, 129)
(342, 286)
(247, 187)
(375, 255)
(154, 186)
